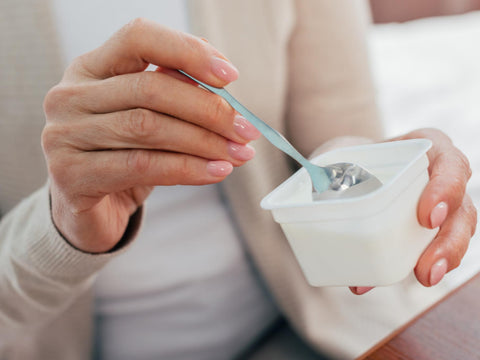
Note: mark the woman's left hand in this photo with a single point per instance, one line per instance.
(445, 204)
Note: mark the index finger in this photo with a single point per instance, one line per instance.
(142, 42)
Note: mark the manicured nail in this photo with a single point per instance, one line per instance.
(240, 152)
(245, 129)
(363, 289)
(438, 271)
(438, 215)
(224, 69)
(219, 168)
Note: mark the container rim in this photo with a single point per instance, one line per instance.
(424, 145)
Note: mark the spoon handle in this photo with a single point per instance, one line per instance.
(270, 133)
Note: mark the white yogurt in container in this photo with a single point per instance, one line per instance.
(371, 240)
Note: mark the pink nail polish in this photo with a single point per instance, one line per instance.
(224, 69)
(246, 130)
(219, 168)
(438, 215)
(438, 271)
(240, 152)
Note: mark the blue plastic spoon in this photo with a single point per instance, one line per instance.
(335, 177)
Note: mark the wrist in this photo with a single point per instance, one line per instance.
(82, 231)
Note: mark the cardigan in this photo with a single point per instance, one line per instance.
(303, 68)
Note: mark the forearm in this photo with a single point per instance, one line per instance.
(331, 87)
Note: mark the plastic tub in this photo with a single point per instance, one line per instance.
(371, 240)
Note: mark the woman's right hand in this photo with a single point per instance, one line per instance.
(114, 131)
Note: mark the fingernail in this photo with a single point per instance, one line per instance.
(224, 69)
(438, 215)
(245, 129)
(240, 152)
(219, 168)
(363, 289)
(438, 271)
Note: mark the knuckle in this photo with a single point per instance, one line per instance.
(182, 170)
(53, 100)
(131, 32)
(193, 44)
(60, 170)
(457, 250)
(62, 98)
(434, 134)
(50, 138)
(47, 139)
(138, 25)
(138, 161)
(77, 67)
(474, 215)
(133, 28)
(473, 219)
(216, 108)
(190, 45)
(455, 259)
(457, 185)
(465, 164)
(457, 244)
(143, 87)
(453, 187)
(130, 37)
(439, 133)
(59, 159)
(140, 123)
(470, 212)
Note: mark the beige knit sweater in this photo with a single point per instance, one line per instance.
(303, 68)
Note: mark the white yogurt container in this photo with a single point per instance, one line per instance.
(370, 240)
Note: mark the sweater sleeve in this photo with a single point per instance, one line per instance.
(40, 272)
(331, 87)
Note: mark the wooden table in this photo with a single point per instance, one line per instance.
(450, 330)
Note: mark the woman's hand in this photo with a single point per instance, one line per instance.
(114, 131)
(443, 204)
